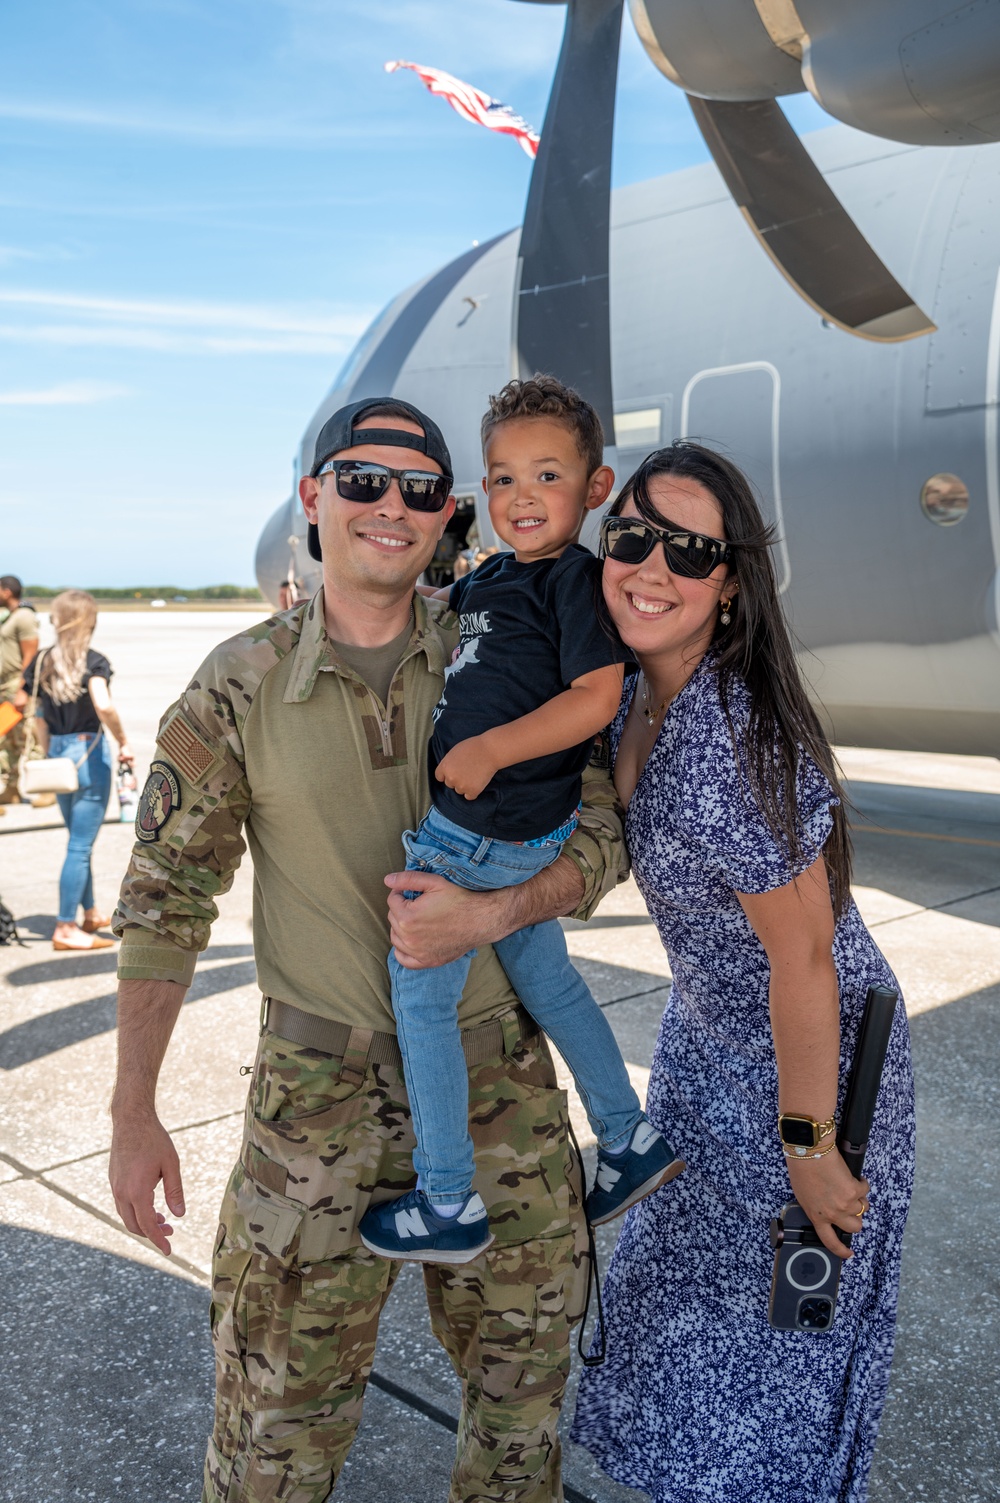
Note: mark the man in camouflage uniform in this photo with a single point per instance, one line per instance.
(18, 646)
(309, 733)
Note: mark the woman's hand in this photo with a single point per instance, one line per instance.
(831, 1197)
(125, 754)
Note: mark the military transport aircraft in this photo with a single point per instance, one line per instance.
(866, 409)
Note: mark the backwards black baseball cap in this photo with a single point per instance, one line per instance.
(343, 430)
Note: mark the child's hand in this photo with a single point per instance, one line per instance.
(467, 768)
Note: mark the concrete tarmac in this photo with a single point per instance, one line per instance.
(106, 1383)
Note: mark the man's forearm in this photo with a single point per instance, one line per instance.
(147, 1012)
(551, 894)
(447, 920)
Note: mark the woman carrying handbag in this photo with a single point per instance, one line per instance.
(69, 712)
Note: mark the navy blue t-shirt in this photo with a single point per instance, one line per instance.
(527, 631)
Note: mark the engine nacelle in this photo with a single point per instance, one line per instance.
(927, 73)
(718, 49)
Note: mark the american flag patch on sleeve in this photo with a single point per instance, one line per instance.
(189, 752)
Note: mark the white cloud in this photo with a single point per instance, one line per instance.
(176, 327)
(198, 314)
(66, 394)
(208, 130)
(115, 336)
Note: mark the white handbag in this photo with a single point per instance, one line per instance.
(46, 774)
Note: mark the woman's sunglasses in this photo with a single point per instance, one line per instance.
(628, 541)
(359, 480)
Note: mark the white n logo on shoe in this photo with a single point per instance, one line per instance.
(607, 1177)
(410, 1224)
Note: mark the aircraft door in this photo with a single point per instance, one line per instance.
(736, 409)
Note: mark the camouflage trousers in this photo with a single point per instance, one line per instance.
(297, 1298)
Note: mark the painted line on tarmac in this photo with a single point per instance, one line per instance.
(923, 835)
(100, 1152)
(99, 1215)
(663, 983)
(442, 1417)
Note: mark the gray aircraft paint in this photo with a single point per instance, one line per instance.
(899, 618)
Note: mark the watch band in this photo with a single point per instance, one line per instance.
(820, 1130)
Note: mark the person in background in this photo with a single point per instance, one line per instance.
(18, 646)
(73, 711)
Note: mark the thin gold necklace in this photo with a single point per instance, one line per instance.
(652, 716)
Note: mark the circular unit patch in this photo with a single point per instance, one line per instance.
(160, 798)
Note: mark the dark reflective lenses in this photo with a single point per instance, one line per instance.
(628, 541)
(359, 480)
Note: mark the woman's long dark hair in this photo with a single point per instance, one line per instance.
(756, 646)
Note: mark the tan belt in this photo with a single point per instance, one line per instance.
(357, 1048)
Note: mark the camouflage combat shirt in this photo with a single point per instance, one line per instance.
(276, 739)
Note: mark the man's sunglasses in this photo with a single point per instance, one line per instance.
(628, 540)
(359, 480)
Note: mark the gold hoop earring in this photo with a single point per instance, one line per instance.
(725, 618)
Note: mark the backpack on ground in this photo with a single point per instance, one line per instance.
(8, 927)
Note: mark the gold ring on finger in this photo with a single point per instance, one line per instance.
(864, 1208)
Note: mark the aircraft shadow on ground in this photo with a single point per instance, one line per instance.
(125, 1350)
(938, 1438)
(960, 858)
(37, 1037)
(121, 1348)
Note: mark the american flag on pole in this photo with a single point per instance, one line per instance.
(473, 105)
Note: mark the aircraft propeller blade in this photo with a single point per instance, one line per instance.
(562, 308)
(801, 223)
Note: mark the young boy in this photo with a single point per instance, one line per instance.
(536, 678)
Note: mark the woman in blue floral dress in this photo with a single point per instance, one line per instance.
(739, 846)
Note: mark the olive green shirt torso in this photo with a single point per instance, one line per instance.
(278, 744)
(20, 626)
(325, 827)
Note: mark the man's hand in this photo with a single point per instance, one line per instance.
(443, 923)
(468, 767)
(446, 921)
(20, 700)
(141, 1151)
(831, 1197)
(142, 1155)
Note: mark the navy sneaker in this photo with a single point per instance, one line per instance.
(624, 1178)
(411, 1228)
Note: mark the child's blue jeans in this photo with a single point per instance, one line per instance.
(535, 959)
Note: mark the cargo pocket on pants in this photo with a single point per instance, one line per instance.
(255, 1283)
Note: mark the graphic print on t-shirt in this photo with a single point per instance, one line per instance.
(472, 628)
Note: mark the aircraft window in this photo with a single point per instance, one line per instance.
(944, 499)
(638, 430)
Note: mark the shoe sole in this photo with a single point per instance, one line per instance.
(431, 1255)
(641, 1191)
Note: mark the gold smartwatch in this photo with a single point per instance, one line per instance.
(800, 1135)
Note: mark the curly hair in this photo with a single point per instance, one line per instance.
(546, 396)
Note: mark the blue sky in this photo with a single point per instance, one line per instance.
(204, 202)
